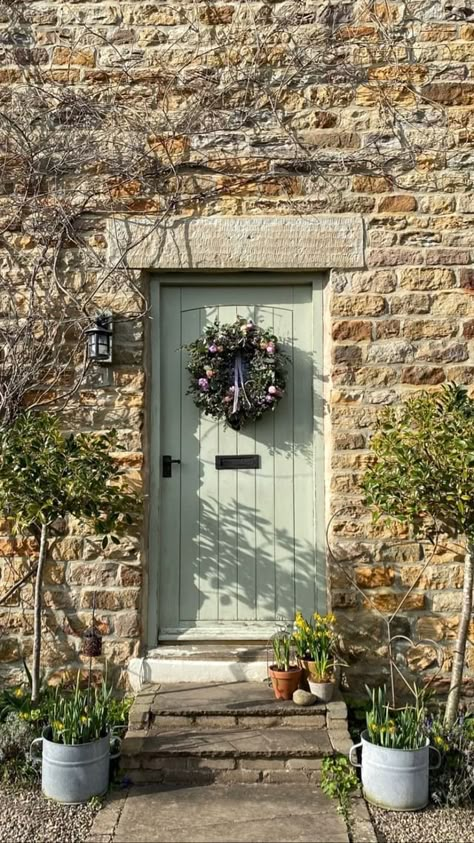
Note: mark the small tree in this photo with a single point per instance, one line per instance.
(45, 476)
(424, 475)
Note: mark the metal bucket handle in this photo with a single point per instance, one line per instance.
(117, 754)
(432, 766)
(438, 765)
(356, 746)
(35, 760)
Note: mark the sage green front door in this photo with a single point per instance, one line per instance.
(237, 547)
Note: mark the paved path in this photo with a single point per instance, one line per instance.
(264, 757)
(256, 813)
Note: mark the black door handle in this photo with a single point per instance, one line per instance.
(166, 463)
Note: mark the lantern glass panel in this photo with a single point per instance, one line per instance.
(92, 342)
(103, 345)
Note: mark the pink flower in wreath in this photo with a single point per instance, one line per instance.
(212, 348)
(210, 373)
(270, 348)
(269, 399)
(272, 390)
(203, 384)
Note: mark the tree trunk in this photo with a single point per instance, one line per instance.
(35, 673)
(454, 695)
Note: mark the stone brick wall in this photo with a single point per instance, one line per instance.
(392, 142)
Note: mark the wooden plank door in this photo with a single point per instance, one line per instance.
(236, 546)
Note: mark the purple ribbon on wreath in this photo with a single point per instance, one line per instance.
(239, 383)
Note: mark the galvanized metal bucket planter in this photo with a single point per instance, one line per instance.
(74, 773)
(395, 779)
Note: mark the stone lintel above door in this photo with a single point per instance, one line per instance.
(237, 243)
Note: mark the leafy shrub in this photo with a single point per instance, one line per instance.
(338, 781)
(452, 784)
(119, 710)
(16, 734)
(18, 699)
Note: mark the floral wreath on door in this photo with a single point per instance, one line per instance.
(238, 371)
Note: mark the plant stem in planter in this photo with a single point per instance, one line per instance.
(35, 673)
(454, 695)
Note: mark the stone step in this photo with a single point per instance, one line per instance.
(205, 705)
(218, 720)
(229, 732)
(270, 756)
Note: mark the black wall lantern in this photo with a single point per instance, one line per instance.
(99, 339)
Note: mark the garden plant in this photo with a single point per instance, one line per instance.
(47, 476)
(423, 475)
(338, 781)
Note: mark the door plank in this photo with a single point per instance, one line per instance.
(207, 491)
(265, 498)
(228, 507)
(189, 591)
(303, 455)
(171, 374)
(285, 478)
(246, 511)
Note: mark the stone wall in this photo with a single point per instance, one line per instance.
(380, 123)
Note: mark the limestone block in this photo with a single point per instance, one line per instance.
(237, 242)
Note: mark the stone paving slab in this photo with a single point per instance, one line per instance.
(232, 698)
(232, 742)
(219, 814)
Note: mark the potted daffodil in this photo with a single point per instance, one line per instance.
(76, 746)
(316, 643)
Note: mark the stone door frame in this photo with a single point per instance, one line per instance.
(232, 244)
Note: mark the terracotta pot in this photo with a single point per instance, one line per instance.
(285, 682)
(308, 673)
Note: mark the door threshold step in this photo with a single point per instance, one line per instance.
(199, 663)
(227, 651)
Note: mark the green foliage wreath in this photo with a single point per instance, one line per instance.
(237, 371)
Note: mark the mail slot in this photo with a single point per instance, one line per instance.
(226, 461)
